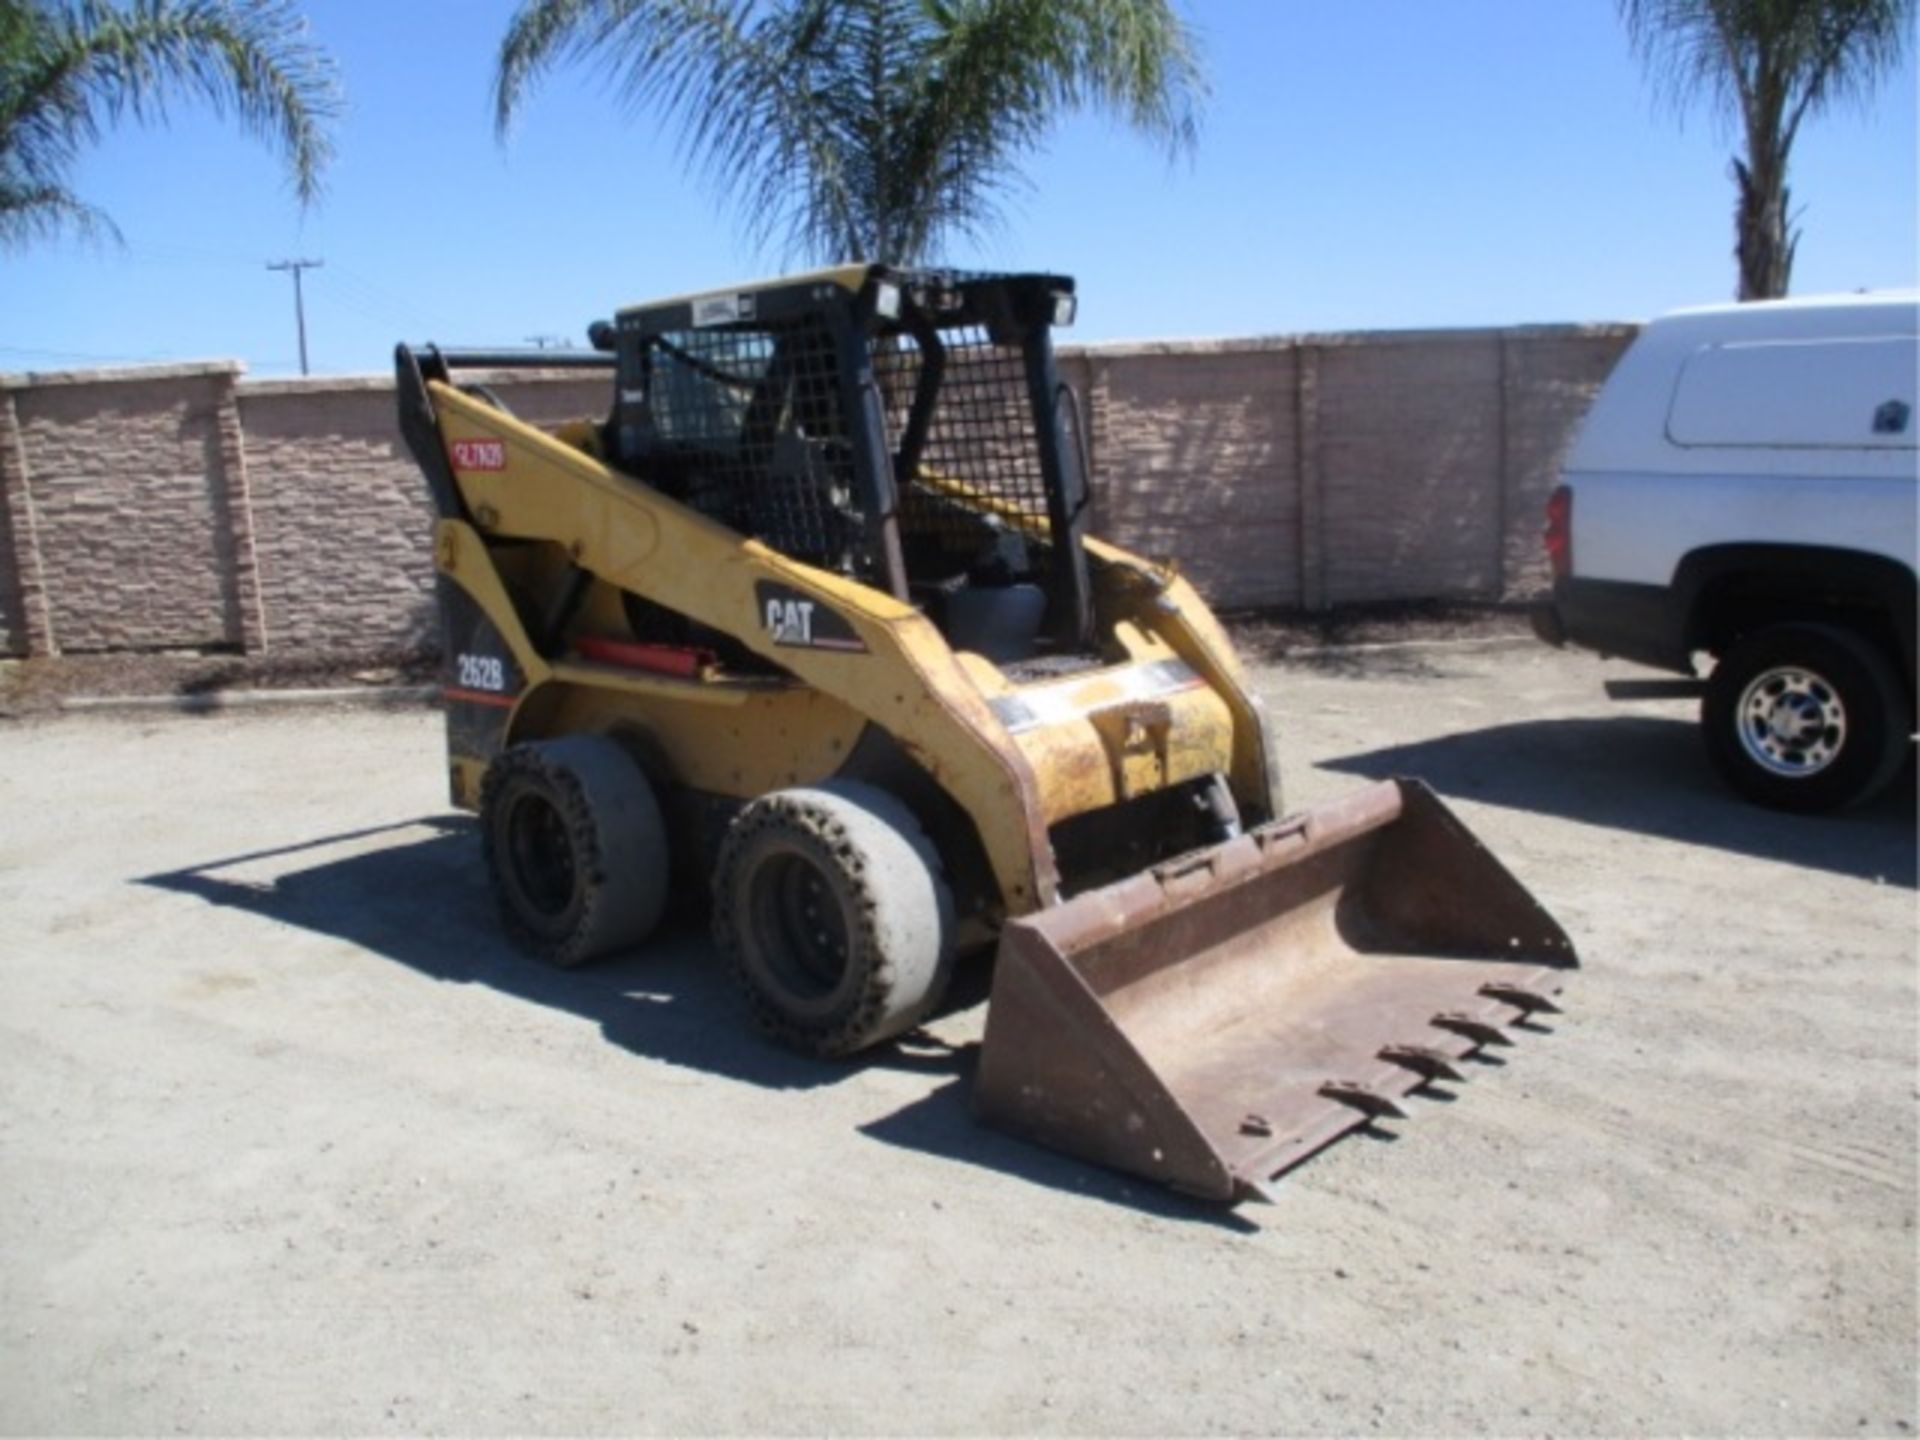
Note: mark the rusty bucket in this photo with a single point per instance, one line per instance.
(1215, 1020)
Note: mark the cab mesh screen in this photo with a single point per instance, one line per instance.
(980, 455)
(747, 425)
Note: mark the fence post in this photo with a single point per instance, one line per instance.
(238, 496)
(1313, 559)
(36, 616)
(1099, 403)
(1503, 476)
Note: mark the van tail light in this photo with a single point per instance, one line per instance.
(1560, 532)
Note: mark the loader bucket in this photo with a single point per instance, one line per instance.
(1213, 1021)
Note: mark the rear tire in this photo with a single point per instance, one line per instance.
(576, 846)
(831, 908)
(1805, 717)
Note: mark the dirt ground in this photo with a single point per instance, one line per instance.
(291, 1141)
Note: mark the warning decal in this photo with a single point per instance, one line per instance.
(479, 454)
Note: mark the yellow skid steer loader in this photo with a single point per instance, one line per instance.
(812, 617)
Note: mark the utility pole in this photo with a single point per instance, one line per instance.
(299, 300)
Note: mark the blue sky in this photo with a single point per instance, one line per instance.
(1365, 164)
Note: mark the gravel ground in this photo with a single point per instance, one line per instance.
(290, 1141)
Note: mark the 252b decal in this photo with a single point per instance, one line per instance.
(482, 672)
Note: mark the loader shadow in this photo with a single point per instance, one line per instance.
(942, 1125)
(417, 893)
(1647, 775)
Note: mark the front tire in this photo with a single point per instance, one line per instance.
(831, 907)
(576, 847)
(1804, 717)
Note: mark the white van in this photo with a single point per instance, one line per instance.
(1744, 488)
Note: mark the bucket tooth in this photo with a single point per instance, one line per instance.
(1255, 1188)
(1521, 997)
(1365, 1099)
(1481, 1032)
(1423, 1060)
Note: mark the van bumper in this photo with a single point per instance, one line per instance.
(1546, 622)
(1642, 623)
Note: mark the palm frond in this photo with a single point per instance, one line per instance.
(865, 128)
(1767, 60)
(30, 212)
(737, 87)
(70, 70)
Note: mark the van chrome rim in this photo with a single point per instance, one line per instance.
(1791, 722)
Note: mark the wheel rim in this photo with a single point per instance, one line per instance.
(540, 854)
(1792, 722)
(802, 927)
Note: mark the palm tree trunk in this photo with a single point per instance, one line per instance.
(1764, 242)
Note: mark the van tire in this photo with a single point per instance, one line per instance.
(1805, 717)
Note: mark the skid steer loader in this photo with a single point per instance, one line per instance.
(811, 617)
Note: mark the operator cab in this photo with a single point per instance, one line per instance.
(904, 428)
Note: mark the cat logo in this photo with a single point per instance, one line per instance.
(790, 622)
(790, 618)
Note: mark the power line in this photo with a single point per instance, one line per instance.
(397, 304)
(295, 267)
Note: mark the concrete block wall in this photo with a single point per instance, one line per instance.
(129, 506)
(1549, 379)
(1194, 455)
(179, 507)
(343, 525)
(1409, 469)
(184, 507)
(1333, 470)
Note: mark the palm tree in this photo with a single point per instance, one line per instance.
(1770, 64)
(867, 129)
(71, 68)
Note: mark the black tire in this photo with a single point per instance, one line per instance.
(576, 846)
(1805, 717)
(831, 907)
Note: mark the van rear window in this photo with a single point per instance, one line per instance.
(1805, 394)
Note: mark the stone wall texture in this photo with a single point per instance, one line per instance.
(183, 507)
(343, 524)
(128, 510)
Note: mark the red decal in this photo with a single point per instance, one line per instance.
(479, 697)
(479, 454)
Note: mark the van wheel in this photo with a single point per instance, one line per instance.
(831, 908)
(1804, 717)
(576, 846)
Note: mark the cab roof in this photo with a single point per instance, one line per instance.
(851, 277)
